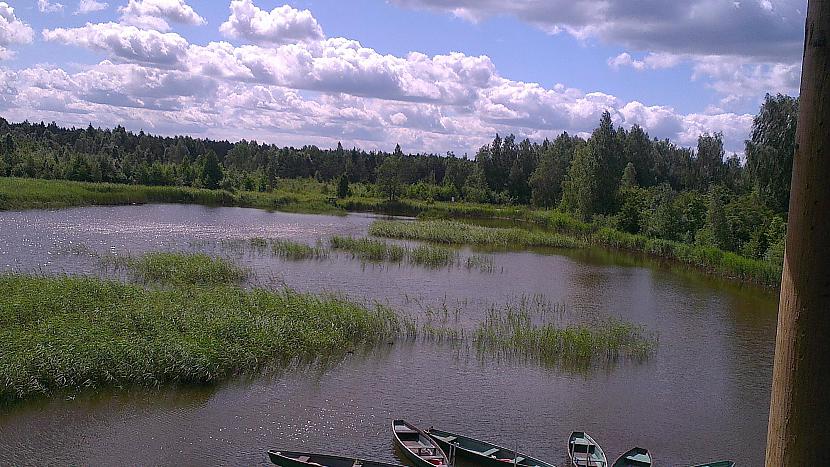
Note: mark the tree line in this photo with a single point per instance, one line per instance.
(618, 177)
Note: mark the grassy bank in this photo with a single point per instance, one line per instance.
(24, 193)
(73, 333)
(707, 259)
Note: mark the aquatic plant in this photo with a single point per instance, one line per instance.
(294, 251)
(453, 232)
(178, 268)
(74, 333)
(368, 249)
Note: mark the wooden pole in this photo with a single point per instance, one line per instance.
(799, 419)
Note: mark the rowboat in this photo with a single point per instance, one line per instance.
(417, 446)
(583, 451)
(482, 452)
(717, 464)
(305, 459)
(637, 457)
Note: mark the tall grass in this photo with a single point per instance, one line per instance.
(294, 251)
(513, 333)
(178, 268)
(73, 333)
(453, 232)
(368, 249)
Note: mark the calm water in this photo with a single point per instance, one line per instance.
(702, 396)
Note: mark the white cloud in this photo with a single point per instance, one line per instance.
(45, 6)
(90, 6)
(124, 42)
(155, 14)
(652, 61)
(13, 31)
(753, 29)
(282, 25)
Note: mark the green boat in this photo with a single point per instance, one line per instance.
(482, 452)
(717, 464)
(637, 457)
(417, 446)
(583, 451)
(305, 459)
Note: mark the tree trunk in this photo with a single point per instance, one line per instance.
(799, 420)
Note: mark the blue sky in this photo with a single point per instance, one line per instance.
(432, 75)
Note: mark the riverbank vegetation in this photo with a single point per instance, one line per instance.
(619, 179)
(367, 249)
(73, 333)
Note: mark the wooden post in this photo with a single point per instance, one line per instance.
(799, 419)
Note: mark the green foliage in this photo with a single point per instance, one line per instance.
(75, 333)
(211, 175)
(770, 150)
(367, 249)
(390, 178)
(343, 190)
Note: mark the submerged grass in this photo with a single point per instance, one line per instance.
(73, 333)
(294, 251)
(453, 232)
(178, 268)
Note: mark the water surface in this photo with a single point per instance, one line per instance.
(703, 395)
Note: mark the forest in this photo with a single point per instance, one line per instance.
(618, 178)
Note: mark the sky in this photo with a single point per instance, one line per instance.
(431, 75)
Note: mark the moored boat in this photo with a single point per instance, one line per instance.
(306, 459)
(482, 452)
(583, 451)
(417, 446)
(716, 464)
(637, 457)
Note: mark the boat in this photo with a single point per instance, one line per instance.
(637, 457)
(583, 451)
(717, 464)
(417, 446)
(482, 452)
(306, 459)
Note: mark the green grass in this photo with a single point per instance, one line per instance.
(178, 268)
(453, 232)
(367, 249)
(24, 193)
(72, 333)
(513, 333)
(294, 251)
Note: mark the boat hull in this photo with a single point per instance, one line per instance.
(408, 438)
(304, 459)
(474, 450)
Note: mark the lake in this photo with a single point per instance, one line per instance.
(702, 396)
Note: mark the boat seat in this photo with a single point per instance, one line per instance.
(490, 452)
(520, 459)
(303, 458)
(446, 439)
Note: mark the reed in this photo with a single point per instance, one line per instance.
(367, 249)
(70, 333)
(453, 232)
(294, 251)
(178, 268)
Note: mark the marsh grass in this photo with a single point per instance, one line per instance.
(178, 268)
(368, 249)
(295, 251)
(453, 232)
(482, 263)
(73, 333)
(513, 333)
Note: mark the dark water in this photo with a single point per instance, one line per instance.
(702, 396)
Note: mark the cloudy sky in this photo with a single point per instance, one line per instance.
(432, 75)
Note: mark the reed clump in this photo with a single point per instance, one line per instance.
(72, 333)
(367, 249)
(178, 268)
(513, 333)
(295, 251)
(453, 232)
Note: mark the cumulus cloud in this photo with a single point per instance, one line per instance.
(155, 14)
(282, 25)
(652, 61)
(319, 90)
(45, 6)
(123, 42)
(699, 27)
(12, 31)
(90, 6)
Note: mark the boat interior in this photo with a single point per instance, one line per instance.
(419, 444)
(586, 453)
